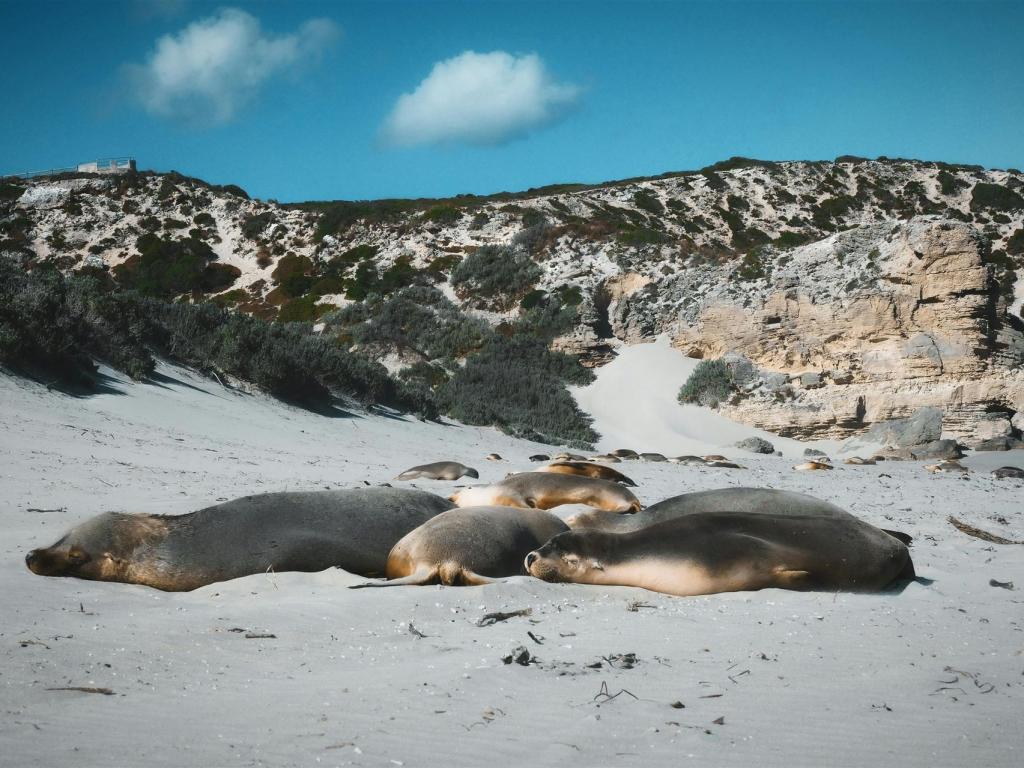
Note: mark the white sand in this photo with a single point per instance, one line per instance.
(932, 676)
(633, 402)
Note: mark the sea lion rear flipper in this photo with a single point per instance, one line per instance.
(790, 579)
(473, 579)
(626, 481)
(906, 538)
(418, 578)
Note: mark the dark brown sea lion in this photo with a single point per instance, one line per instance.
(749, 500)
(585, 469)
(710, 552)
(291, 531)
(544, 490)
(469, 547)
(439, 470)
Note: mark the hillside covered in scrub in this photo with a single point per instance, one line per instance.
(484, 307)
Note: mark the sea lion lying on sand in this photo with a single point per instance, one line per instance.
(749, 500)
(469, 547)
(439, 470)
(292, 531)
(544, 490)
(585, 469)
(709, 552)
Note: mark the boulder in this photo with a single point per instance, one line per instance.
(811, 452)
(937, 449)
(756, 445)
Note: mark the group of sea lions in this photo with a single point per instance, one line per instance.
(696, 543)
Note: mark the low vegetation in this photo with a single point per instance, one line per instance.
(710, 384)
(56, 328)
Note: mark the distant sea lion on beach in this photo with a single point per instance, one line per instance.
(540, 457)
(469, 547)
(858, 461)
(709, 552)
(544, 490)
(812, 465)
(439, 470)
(291, 531)
(493, 457)
(585, 469)
(1014, 472)
(949, 465)
(625, 453)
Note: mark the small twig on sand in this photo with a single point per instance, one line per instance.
(636, 605)
(494, 618)
(26, 643)
(535, 639)
(260, 636)
(414, 631)
(56, 509)
(977, 533)
(84, 689)
(609, 696)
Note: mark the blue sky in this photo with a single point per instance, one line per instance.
(305, 100)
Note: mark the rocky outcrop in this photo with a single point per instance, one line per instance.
(869, 326)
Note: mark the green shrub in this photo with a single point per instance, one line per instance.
(10, 191)
(304, 310)
(498, 275)
(518, 385)
(175, 224)
(55, 327)
(149, 223)
(787, 240)
(646, 200)
(254, 225)
(710, 383)
(995, 197)
(168, 268)
(443, 214)
(204, 219)
(827, 213)
(1015, 243)
(751, 267)
(640, 236)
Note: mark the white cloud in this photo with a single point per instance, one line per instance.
(479, 98)
(211, 69)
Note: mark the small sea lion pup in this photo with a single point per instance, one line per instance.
(544, 490)
(747, 500)
(469, 547)
(709, 552)
(585, 469)
(294, 531)
(439, 470)
(812, 465)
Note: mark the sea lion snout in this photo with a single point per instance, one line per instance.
(530, 558)
(31, 559)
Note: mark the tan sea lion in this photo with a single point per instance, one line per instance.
(563, 456)
(811, 465)
(585, 469)
(605, 458)
(950, 465)
(469, 547)
(689, 461)
(544, 490)
(625, 453)
(715, 457)
(439, 470)
(710, 552)
(858, 461)
(493, 457)
(747, 500)
(652, 457)
(292, 531)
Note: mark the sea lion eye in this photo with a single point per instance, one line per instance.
(77, 556)
(571, 560)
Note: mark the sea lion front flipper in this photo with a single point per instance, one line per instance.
(419, 577)
(790, 579)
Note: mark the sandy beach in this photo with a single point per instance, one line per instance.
(294, 669)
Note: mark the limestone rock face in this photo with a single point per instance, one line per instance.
(869, 326)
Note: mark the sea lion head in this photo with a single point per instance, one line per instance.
(99, 549)
(569, 556)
